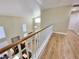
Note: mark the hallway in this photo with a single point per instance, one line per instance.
(62, 47)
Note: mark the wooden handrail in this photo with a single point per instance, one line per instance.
(20, 41)
(30, 32)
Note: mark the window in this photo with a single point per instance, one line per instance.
(2, 32)
(24, 28)
(37, 20)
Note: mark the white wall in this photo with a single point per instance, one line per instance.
(13, 13)
(13, 25)
(58, 16)
(74, 22)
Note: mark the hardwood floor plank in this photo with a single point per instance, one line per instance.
(62, 47)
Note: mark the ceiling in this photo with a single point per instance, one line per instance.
(29, 7)
(55, 3)
(18, 7)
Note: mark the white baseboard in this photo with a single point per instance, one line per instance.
(61, 33)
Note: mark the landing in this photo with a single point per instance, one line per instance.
(61, 47)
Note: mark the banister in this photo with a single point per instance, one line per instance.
(30, 32)
(21, 40)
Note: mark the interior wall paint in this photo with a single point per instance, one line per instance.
(59, 17)
(74, 22)
(13, 25)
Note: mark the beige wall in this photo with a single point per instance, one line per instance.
(59, 17)
(13, 25)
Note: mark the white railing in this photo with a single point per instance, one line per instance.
(42, 38)
(34, 45)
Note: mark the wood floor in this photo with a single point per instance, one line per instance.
(62, 47)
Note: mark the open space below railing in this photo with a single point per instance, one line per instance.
(29, 47)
